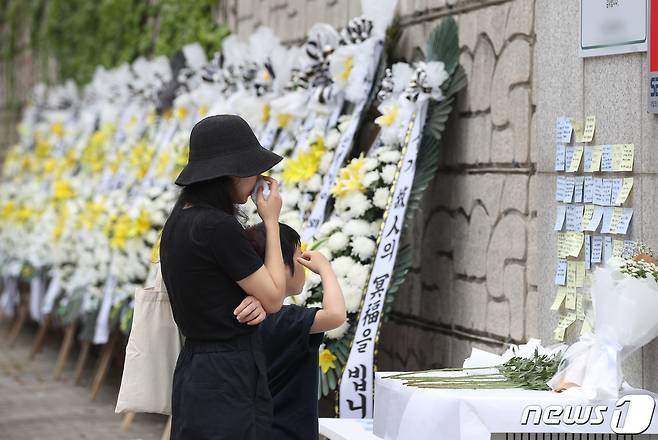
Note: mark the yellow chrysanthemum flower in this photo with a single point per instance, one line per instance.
(24, 214)
(282, 119)
(181, 113)
(142, 223)
(350, 179)
(203, 110)
(327, 359)
(265, 113)
(120, 231)
(348, 64)
(57, 129)
(389, 116)
(62, 189)
(8, 210)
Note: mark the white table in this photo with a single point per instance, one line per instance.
(403, 412)
(347, 429)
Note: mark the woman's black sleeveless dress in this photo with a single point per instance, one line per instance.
(220, 382)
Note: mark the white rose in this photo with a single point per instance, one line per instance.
(363, 247)
(388, 173)
(380, 199)
(338, 241)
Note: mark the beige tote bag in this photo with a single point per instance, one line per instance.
(151, 353)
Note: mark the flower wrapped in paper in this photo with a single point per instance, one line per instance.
(624, 304)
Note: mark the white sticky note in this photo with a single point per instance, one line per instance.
(607, 248)
(578, 189)
(563, 130)
(624, 221)
(627, 157)
(574, 217)
(560, 216)
(590, 126)
(617, 185)
(597, 248)
(560, 157)
(607, 219)
(561, 272)
(560, 188)
(588, 252)
(596, 219)
(587, 159)
(588, 189)
(606, 158)
(569, 189)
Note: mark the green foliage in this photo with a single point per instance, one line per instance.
(82, 34)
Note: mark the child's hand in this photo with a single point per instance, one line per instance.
(250, 311)
(315, 261)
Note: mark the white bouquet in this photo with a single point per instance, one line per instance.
(624, 301)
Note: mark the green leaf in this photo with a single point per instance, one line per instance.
(443, 44)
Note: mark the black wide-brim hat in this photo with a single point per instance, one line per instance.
(224, 145)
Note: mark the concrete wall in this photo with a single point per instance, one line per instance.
(614, 89)
(485, 249)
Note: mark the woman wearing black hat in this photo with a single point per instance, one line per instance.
(209, 268)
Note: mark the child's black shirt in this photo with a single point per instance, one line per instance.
(291, 354)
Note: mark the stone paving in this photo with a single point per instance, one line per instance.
(34, 407)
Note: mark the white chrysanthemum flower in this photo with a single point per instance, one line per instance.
(332, 138)
(325, 162)
(329, 226)
(338, 241)
(352, 295)
(402, 73)
(370, 178)
(375, 227)
(338, 332)
(314, 183)
(291, 196)
(359, 275)
(353, 205)
(312, 279)
(355, 228)
(390, 156)
(363, 247)
(326, 252)
(342, 266)
(380, 199)
(369, 163)
(388, 173)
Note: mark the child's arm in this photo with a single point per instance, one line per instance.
(333, 313)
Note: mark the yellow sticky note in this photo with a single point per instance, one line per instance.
(575, 159)
(588, 213)
(586, 328)
(571, 273)
(580, 274)
(580, 310)
(561, 294)
(590, 125)
(578, 130)
(626, 188)
(617, 248)
(570, 300)
(588, 279)
(627, 157)
(617, 155)
(574, 243)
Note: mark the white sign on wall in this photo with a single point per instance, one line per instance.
(609, 27)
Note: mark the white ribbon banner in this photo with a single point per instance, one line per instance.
(356, 385)
(317, 214)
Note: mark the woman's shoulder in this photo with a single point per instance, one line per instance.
(213, 218)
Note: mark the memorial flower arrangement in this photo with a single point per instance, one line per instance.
(625, 286)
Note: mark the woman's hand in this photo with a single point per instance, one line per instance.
(250, 311)
(269, 209)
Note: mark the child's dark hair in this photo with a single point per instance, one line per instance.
(290, 240)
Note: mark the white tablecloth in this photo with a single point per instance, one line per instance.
(404, 413)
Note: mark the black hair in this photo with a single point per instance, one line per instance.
(290, 241)
(208, 197)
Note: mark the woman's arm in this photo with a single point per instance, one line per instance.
(333, 313)
(268, 284)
